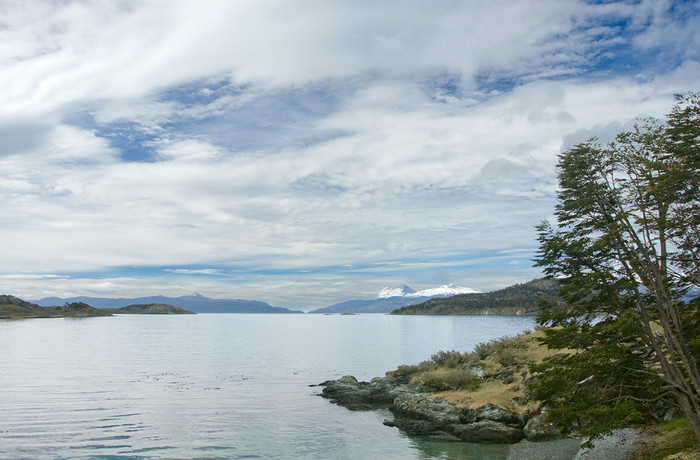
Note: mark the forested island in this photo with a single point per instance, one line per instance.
(520, 299)
(149, 309)
(12, 307)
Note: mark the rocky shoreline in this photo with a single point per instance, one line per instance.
(419, 412)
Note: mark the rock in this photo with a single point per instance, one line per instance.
(477, 371)
(421, 406)
(505, 375)
(537, 429)
(354, 395)
(441, 436)
(495, 414)
(414, 427)
(418, 414)
(488, 432)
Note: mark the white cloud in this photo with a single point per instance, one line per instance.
(304, 136)
(202, 271)
(58, 54)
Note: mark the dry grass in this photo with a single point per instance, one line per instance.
(510, 356)
(14, 311)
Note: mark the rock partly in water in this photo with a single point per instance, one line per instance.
(354, 395)
(488, 432)
(495, 414)
(418, 413)
(421, 406)
(536, 429)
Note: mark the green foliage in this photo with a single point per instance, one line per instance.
(446, 370)
(449, 379)
(601, 387)
(450, 359)
(453, 370)
(625, 250)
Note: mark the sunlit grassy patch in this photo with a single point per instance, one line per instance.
(672, 440)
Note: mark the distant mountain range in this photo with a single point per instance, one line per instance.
(196, 303)
(389, 299)
(385, 301)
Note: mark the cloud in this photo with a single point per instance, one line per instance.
(59, 54)
(308, 149)
(202, 271)
(20, 137)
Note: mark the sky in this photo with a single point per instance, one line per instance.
(308, 152)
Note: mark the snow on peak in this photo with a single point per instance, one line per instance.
(399, 291)
(197, 296)
(442, 291)
(445, 290)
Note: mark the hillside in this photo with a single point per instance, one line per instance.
(150, 309)
(195, 303)
(12, 307)
(382, 305)
(389, 299)
(519, 299)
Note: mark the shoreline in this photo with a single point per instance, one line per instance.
(483, 397)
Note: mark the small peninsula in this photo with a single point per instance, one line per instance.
(149, 309)
(519, 299)
(485, 397)
(477, 397)
(12, 307)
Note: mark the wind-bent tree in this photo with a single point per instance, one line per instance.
(626, 249)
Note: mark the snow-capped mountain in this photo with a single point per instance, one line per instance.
(391, 298)
(400, 291)
(405, 291)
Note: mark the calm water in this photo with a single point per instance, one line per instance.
(217, 385)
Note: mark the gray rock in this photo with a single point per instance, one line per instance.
(495, 414)
(421, 406)
(537, 429)
(417, 414)
(413, 427)
(477, 371)
(488, 432)
(354, 395)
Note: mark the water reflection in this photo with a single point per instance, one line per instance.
(560, 449)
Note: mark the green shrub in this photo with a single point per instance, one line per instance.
(448, 359)
(448, 379)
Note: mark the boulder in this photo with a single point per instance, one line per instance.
(354, 395)
(536, 429)
(495, 414)
(420, 406)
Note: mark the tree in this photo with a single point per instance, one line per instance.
(626, 250)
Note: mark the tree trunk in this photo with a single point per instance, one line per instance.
(691, 413)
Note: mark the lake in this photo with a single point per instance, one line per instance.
(217, 385)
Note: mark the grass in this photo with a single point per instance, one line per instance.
(502, 366)
(672, 440)
(15, 311)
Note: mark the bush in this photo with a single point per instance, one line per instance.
(448, 379)
(450, 359)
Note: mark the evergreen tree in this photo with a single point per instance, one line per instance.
(626, 251)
